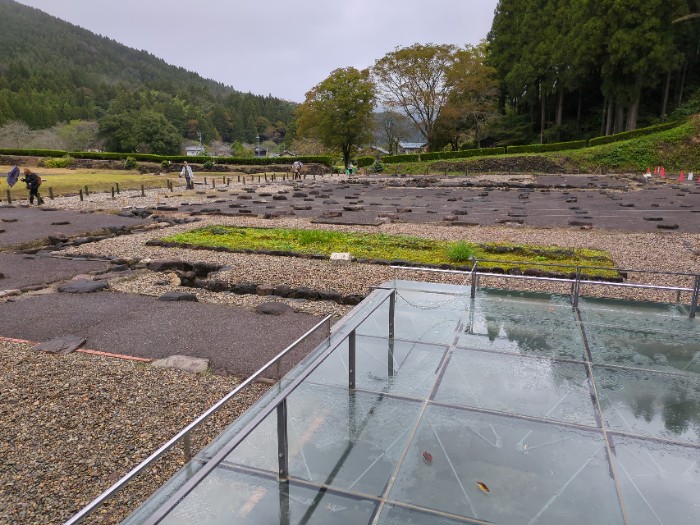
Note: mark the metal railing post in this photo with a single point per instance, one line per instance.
(475, 280)
(351, 360)
(392, 314)
(282, 442)
(187, 445)
(694, 300)
(576, 288)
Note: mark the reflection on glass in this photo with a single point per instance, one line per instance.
(420, 316)
(226, 496)
(672, 352)
(650, 403)
(397, 367)
(507, 471)
(518, 385)
(514, 324)
(660, 483)
(336, 438)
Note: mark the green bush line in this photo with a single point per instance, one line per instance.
(145, 157)
(555, 146)
(625, 135)
(363, 162)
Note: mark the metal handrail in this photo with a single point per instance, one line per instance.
(575, 282)
(344, 332)
(185, 432)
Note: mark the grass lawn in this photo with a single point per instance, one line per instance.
(66, 181)
(398, 247)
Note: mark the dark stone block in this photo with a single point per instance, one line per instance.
(282, 290)
(351, 300)
(330, 295)
(273, 309)
(83, 286)
(245, 288)
(165, 265)
(667, 226)
(304, 293)
(178, 296)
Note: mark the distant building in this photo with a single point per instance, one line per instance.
(260, 152)
(412, 147)
(193, 151)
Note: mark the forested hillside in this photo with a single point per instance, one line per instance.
(594, 67)
(52, 71)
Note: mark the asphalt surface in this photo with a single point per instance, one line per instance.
(237, 340)
(607, 203)
(22, 224)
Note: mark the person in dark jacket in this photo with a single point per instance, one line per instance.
(33, 181)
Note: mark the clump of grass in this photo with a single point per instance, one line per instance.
(460, 252)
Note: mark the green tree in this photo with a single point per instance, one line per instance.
(414, 80)
(473, 91)
(338, 111)
(79, 135)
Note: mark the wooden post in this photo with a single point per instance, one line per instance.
(143, 191)
(205, 181)
(80, 193)
(239, 178)
(117, 184)
(51, 192)
(112, 192)
(9, 197)
(213, 182)
(87, 192)
(223, 181)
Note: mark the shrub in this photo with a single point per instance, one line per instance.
(631, 134)
(208, 165)
(165, 166)
(377, 167)
(395, 159)
(130, 163)
(554, 146)
(33, 152)
(62, 162)
(446, 155)
(363, 162)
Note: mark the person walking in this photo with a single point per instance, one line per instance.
(33, 181)
(296, 169)
(187, 173)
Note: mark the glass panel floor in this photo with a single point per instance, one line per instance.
(510, 408)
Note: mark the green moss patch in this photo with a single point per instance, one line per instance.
(544, 260)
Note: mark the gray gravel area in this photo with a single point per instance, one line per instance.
(55, 460)
(658, 252)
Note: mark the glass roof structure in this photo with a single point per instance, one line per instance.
(429, 406)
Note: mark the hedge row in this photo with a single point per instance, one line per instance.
(363, 162)
(145, 157)
(625, 135)
(446, 155)
(555, 146)
(394, 159)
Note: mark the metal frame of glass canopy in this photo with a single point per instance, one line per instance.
(462, 444)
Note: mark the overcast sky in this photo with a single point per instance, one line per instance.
(277, 47)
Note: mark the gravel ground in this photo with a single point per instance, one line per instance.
(662, 252)
(55, 460)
